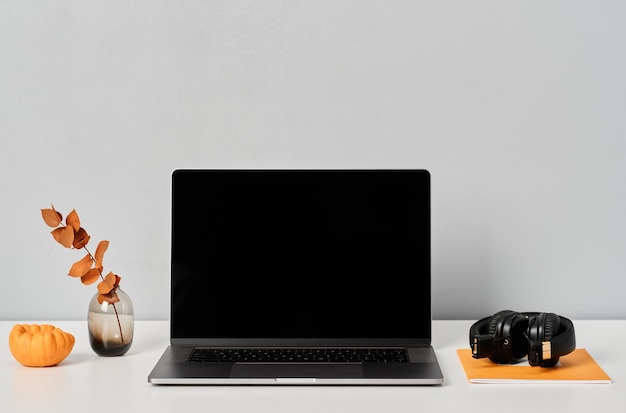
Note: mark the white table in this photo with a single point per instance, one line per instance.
(84, 382)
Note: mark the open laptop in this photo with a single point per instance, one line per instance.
(305, 277)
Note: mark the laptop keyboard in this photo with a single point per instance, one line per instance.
(289, 355)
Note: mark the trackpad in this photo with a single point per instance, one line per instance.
(264, 370)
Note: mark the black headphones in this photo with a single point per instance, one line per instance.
(509, 336)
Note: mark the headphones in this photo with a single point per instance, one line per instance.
(509, 336)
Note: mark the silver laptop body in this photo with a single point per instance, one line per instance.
(300, 277)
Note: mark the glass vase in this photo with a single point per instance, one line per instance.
(111, 326)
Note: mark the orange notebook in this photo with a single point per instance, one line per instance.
(576, 367)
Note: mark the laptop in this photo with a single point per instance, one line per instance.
(300, 277)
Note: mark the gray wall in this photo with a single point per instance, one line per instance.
(516, 107)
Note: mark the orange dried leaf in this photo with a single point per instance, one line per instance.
(106, 285)
(110, 278)
(91, 276)
(64, 236)
(80, 268)
(104, 288)
(51, 217)
(81, 238)
(110, 282)
(73, 221)
(100, 250)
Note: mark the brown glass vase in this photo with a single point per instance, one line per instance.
(111, 326)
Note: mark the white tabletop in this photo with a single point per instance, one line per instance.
(88, 383)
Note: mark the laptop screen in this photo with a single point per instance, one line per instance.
(300, 254)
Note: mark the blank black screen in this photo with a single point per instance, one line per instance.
(300, 253)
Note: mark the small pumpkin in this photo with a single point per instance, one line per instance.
(43, 345)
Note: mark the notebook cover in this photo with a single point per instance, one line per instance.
(576, 367)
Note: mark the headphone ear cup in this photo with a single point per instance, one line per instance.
(508, 328)
(536, 327)
(551, 325)
(544, 327)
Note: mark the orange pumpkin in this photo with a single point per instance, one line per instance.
(43, 345)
